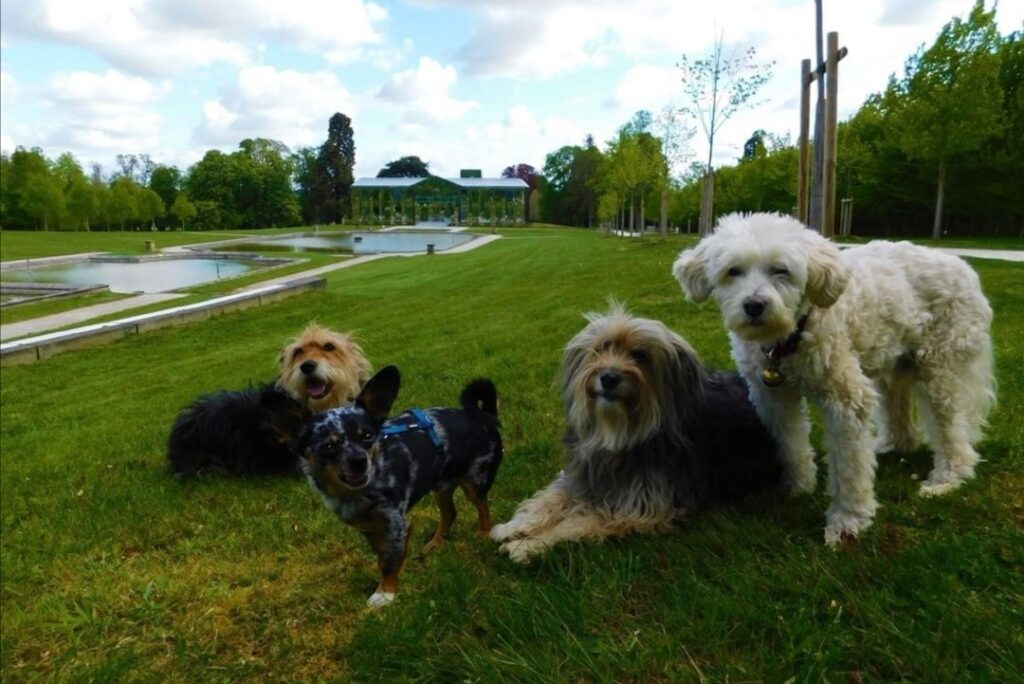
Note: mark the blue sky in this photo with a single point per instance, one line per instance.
(461, 83)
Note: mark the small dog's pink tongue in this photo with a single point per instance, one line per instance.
(316, 388)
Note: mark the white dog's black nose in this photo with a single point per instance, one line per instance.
(609, 380)
(308, 367)
(753, 307)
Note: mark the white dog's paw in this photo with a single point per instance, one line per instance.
(523, 550)
(841, 526)
(379, 599)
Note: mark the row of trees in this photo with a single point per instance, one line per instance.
(261, 184)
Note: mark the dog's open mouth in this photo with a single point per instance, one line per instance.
(317, 388)
(356, 473)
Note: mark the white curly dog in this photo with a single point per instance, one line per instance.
(861, 332)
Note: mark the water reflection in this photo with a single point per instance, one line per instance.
(145, 276)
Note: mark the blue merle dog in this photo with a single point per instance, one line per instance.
(370, 471)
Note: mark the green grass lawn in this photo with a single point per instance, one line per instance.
(114, 571)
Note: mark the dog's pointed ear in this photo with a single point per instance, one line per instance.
(379, 393)
(691, 270)
(827, 275)
(286, 416)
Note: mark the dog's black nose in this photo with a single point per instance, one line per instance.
(308, 367)
(357, 464)
(609, 380)
(753, 307)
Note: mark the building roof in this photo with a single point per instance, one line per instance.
(498, 183)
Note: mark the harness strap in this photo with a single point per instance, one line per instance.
(421, 422)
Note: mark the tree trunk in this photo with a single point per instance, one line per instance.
(937, 225)
(632, 214)
(643, 214)
(706, 203)
(663, 221)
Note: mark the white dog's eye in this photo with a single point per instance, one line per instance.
(734, 272)
(778, 271)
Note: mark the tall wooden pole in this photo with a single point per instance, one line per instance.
(815, 217)
(828, 218)
(805, 125)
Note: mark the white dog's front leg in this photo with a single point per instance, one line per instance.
(784, 412)
(849, 433)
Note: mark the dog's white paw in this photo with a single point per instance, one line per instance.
(380, 599)
(523, 550)
(930, 488)
(842, 526)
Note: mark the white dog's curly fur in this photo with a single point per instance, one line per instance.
(887, 321)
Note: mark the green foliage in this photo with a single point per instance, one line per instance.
(406, 167)
(331, 184)
(166, 182)
(183, 209)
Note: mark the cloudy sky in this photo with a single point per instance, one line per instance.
(461, 83)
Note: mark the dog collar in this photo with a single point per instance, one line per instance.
(420, 421)
(771, 375)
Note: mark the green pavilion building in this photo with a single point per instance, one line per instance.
(464, 201)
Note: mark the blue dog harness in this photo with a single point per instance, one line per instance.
(421, 422)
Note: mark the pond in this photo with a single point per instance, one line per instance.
(149, 275)
(370, 243)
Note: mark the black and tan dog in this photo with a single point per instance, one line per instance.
(370, 471)
(229, 431)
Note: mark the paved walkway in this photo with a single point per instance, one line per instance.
(1001, 254)
(61, 320)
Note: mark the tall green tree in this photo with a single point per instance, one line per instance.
(332, 180)
(183, 209)
(949, 102)
(165, 181)
(303, 171)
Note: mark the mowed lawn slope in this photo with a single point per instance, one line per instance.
(114, 571)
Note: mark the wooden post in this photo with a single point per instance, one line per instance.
(805, 125)
(828, 209)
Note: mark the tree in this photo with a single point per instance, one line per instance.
(406, 167)
(149, 206)
(303, 171)
(183, 208)
(122, 205)
(82, 202)
(35, 194)
(949, 102)
(165, 181)
(716, 87)
(332, 181)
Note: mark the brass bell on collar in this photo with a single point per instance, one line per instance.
(772, 377)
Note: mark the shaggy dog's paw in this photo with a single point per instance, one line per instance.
(502, 531)
(523, 550)
(380, 599)
(841, 527)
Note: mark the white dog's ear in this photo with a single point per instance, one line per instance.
(691, 271)
(827, 275)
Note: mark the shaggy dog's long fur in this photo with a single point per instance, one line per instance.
(231, 432)
(652, 435)
(880, 323)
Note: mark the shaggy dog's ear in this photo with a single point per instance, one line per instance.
(827, 275)
(690, 270)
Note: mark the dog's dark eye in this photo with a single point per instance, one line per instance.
(297, 353)
(779, 271)
(734, 272)
(328, 347)
(366, 437)
(605, 346)
(640, 356)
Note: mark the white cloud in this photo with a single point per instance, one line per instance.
(172, 36)
(646, 86)
(287, 105)
(102, 111)
(423, 94)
